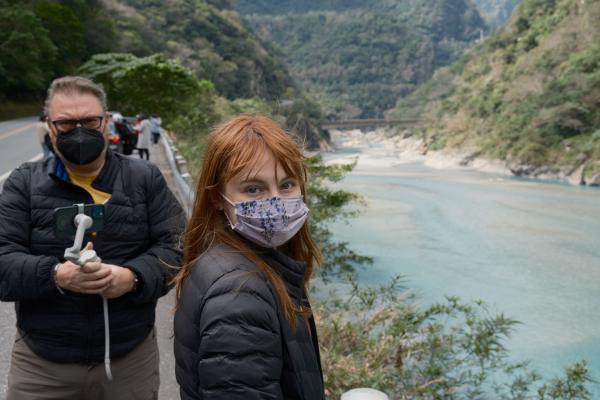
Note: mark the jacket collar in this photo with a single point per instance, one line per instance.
(292, 271)
(103, 182)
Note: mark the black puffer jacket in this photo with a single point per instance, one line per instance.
(142, 225)
(231, 339)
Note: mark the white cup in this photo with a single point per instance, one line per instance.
(364, 394)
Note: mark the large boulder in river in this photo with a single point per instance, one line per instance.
(309, 133)
(577, 177)
(595, 181)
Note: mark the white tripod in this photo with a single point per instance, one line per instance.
(74, 254)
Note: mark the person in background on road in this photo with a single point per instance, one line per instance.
(155, 121)
(138, 125)
(59, 348)
(42, 131)
(125, 134)
(111, 124)
(144, 137)
(243, 324)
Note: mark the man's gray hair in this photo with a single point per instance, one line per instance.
(75, 85)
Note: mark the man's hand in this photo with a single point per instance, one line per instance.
(92, 278)
(122, 281)
(110, 281)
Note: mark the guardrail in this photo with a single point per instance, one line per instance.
(373, 122)
(181, 175)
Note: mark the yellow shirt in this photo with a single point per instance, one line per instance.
(86, 183)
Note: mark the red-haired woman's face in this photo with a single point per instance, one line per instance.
(267, 179)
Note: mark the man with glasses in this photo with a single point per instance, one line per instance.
(59, 348)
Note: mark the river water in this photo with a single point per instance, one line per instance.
(527, 248)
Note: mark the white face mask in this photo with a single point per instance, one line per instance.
(270, 222)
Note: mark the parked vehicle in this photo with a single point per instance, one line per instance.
(115, 143)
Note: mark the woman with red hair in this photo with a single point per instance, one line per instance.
(243, 325)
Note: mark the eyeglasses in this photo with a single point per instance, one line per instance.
(65, 125)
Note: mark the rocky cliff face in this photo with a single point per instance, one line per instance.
(496, 12)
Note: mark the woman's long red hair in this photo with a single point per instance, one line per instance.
(233, 147)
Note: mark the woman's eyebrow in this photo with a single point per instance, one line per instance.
(260, 180)
(286, 178)
(252, 180)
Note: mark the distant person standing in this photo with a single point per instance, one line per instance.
(143, 143)
(138, 125)
(125, 134)
(155, 121)
(42, 135)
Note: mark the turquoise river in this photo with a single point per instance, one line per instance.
(527, 248)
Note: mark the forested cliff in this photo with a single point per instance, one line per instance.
(358, 57)
(42, 39)
(207, 36)
(529, 95)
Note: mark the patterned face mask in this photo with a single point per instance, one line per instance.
(269, 222)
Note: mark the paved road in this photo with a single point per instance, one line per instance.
(18, 143)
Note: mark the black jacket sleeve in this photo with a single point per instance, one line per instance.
(156, 267)
(23, 276)
(240, 351)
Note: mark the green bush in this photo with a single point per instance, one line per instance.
(153, 84)
(328, 205)
(379, 337)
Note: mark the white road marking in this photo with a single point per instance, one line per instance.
(15, 131)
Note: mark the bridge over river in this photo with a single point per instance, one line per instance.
(373, 123)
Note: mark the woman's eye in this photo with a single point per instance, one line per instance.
(252, 190)
(288, 185)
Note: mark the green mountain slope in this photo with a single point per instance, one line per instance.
(207, 36)
(529, 95)
(356, 57)
(43, 39)
(282, 7)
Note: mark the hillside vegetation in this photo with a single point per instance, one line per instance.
(113, 41)
(529, 95)
(43, 39)
(207, 36)
(358, 57)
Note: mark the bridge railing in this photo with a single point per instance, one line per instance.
(372, 122)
